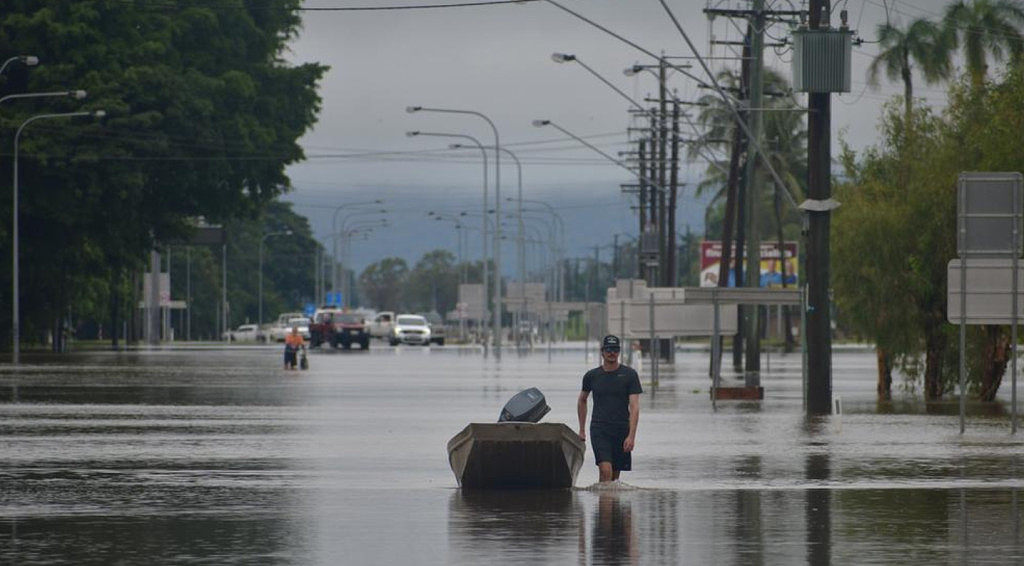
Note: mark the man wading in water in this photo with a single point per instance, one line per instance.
(616, 411)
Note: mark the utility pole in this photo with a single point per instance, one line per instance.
(662, 163)
(751, 328)
(673, 196)
(644, 191)
(819, 188)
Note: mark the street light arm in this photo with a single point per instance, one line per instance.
(359, 214)
(714, 84)
(617, 90)
(496, 315)
(542, 123)
(413, 109)
(28, 60)
(640, 108)
(334, 218)
(76, 94)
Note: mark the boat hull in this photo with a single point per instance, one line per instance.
(515, 455)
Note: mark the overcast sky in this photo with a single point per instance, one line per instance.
(496, 60)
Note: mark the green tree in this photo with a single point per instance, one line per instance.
(922, 42)
(986, 126)
(891, 240)
(784, 144)
(202, 118)
(983, 29)
(896, 231)
(432, 285)
(382, 283)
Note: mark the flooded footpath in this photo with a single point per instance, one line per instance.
(219, 456)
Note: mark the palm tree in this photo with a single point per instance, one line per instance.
(983, 28)
(922, 42)
(784, 142)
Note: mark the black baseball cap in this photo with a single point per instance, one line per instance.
(611, 342)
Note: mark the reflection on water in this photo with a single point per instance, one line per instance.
(819, 512)
(483, 525)
(600, 525)
(613, 540)
(222, 457)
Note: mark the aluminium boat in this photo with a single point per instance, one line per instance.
(518, 451)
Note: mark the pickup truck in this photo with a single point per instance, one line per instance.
(382, 325)
(337, 327)
(282, 327)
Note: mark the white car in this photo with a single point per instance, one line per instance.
(278, 332)
(244, 333)
(410, 329)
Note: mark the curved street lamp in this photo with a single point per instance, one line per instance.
(339, 266)
(496, 315)
(15, 290)
(483, 153)
(334, 230)
(76, 94)
(520, 250)
(28, 60)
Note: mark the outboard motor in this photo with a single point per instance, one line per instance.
(526, 406)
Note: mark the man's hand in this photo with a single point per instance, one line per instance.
(627, 445)
(583, 435)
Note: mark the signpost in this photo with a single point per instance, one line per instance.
(989, 211)
(638, 311)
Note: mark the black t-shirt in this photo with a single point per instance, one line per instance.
(611, 391)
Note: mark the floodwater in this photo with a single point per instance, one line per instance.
(218, 456)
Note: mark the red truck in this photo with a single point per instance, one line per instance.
(336, 327)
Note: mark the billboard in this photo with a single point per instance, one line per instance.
(771, 264)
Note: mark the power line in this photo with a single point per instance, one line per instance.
(172, 5)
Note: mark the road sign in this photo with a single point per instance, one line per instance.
(989, 290)
(988, 213)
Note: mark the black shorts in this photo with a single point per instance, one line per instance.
(606, 439)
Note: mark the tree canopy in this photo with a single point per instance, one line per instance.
(203, 116)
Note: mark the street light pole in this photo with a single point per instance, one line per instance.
(558, 280)
(343, 286)
(334, 230)
(497, 209)
(263, 239)
(521, 254)
(15, 290)
(483, 153)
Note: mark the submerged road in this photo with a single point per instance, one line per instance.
(217, 455)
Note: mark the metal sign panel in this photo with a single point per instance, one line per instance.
(989, 214)
(632, 318)
(740, 296)
(529, 296)
(472, 296)
(989, 291)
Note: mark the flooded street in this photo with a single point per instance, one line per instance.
(219, 456)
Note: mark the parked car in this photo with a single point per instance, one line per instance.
(437, 330)
(283, 326)
(336, 326)
(244, 333)
(279, 332)
(410, 329)
(382, 325)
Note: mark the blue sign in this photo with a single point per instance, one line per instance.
(309, 310)
(333, 298)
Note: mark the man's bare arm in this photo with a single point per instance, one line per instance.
(634, 420)
(581, 412)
